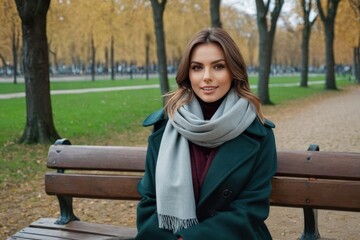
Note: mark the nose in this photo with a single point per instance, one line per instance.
(207, 75)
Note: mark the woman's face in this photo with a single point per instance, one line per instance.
(209, 74)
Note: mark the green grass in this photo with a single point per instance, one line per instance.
(279, 95)
(100, 114)
(92, 115)
(21, 162)
(112, 118)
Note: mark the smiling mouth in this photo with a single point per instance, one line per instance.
(208, 88)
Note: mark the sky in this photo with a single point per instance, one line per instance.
(250, 7)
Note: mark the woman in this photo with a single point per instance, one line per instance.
(212, 155)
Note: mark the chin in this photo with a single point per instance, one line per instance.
(209, 100)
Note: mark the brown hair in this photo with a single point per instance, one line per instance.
(234, 61)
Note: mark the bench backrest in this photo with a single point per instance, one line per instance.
(113, 173)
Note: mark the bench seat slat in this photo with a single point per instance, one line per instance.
(107, 158)
(335, 195)
(93, 186)
(87, 227)
(290, 163)
(29, 236)
(319, 164)
(44, 233)
(291, 192)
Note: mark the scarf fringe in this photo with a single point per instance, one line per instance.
(175, 224)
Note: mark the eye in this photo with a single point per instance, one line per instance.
(219, 66)
(196, 67)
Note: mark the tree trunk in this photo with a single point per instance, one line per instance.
(215, 13)
(306, 7)
(329, 21)
(106, 67)
(39, 120)
(305, 57)
(266, 39)
(356, 64)
(55, 65)
(158, 11)
(112, 64)
(265, 58)
(15, 46)
(2, 58)
(4, 62)
(93, 58)
(147, 55)
(329, 57)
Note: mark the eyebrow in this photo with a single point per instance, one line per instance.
(214, 62)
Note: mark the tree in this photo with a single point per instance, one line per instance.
(266, 40)
(12, 32)
(307, 9)
(147, 55)
(242, 26)
(215, 13)
(112, 63)
(39, 120)
(93, 57)
(329, 22)
(158, 12)
(355, 6)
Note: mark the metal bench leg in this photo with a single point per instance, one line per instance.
(311, 231)
(66, 211)
(66, 208)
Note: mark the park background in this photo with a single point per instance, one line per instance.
(111, 44)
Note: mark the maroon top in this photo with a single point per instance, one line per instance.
(202, 157)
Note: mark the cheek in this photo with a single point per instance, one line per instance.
(194, 77)
(226, 79)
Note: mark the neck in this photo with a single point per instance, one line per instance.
(209, 108)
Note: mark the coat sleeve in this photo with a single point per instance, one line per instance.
(245, 215)
(147, 221)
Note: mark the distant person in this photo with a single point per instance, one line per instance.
(212, 154)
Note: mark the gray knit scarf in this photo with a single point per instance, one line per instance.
(174, 189)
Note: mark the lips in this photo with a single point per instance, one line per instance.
(207, 88)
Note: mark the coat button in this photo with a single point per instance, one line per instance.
(212, 213)
(226, 193)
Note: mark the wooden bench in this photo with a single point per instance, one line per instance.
(305, 179)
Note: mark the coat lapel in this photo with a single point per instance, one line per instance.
(226, 161)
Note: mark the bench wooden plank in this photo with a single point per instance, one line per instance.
(20, 235)
(319, 164)
(43, 233)
(290, 163)
(291, 192)
(107, 158)
(81, 227)
(320, 194)
(92, 186)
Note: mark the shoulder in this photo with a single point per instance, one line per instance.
(154, 117)
(259, 129)
(157, 119)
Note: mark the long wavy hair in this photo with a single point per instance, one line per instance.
(234, 60)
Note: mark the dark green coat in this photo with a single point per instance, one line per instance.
(234, 198)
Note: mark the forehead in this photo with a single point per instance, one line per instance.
(207, 51)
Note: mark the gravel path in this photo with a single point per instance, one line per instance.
(334, 124)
